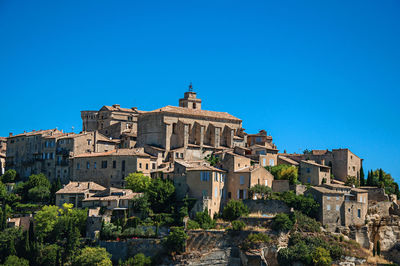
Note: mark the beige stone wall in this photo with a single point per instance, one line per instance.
(354, 213)
(109, 176)
(313, 174)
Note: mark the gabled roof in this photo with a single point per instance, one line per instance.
(194, 112)
(288, 160)
(314, 163)
(119, 152)
(80, 187)
(198, 166)
(112, 193)
(325, 190)
(120, 109)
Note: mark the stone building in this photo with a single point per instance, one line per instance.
(197, 179)
(340, 205)
(343, 162)
(3, 149)
(110, 198)
(188, 127)
(111, 121)
(110, 168)
(49, 151)
(76, 192)
(313, 173)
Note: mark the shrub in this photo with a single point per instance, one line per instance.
(192, 225)
(234, 209)
(321, 257)
(238, 225)
(14, 260)
(204, 220)
(176, 240)
(282, 222)
(307, 224)
(253, 239)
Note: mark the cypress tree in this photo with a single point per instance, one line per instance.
(27, 247)
(369, 179)
(362, 179)
(373, 251)
(4, 218)
(11, 248)
(31, 233)
(381, 175)
(1, 219)
(378, 248)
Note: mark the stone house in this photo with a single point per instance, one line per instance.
(110, 168)
(343, 162)
(285, 160)
(313, 173)
(199, 180)
(76, 192)
(340, 206)
(111, 121)
(111, 198)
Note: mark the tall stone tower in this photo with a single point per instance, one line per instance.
(190, 100)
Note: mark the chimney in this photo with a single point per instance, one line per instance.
(323, 161)
(10, 134)
(116, 106)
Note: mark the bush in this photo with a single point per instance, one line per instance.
(192, 225)
(238, 225)
(282, 222)
(93, 256)
(253, 239)
(321, 257)
(204, 220)
(14, 260)
(234, 209)
(176, 240)
(304, 204)
(307, 224)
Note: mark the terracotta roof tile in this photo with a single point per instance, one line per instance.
(80, 187)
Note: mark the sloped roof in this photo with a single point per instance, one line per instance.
(39, 132)
(119, 152)
(288, 160)
(314, 163)
(110, 194)
(195, 112)
(79, 187)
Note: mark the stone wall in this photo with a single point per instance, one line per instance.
(280, 185)
(267, 207)
(376, 194)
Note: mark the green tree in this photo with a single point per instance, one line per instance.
(137, 182)
(14, 260)
(141, 205)
(176, 240)
(284, 172)
(321, 257)
(238, 225)
(48, 255)
(9, 176)
(362, 178)
(161, 195)
(352, 180)
(45, 220)
(212, 159)
(204, 220)
(234, 209)
(282, 222)
(55, 186)
(12, 250)
(93, 256)
(39, 194)
(260, 191)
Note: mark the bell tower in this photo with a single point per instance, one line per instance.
(190, 100)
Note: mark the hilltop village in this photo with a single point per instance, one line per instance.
(186, 186)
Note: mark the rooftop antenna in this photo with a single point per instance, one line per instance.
(190, 87)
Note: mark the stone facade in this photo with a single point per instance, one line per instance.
(111, 168)
(343, 162)
(313, 173)
(76, 192)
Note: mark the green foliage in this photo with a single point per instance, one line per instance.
(378, 248)
(304, 204)
(234, 209)
(109, 231)
(48, 255)
(282, 222)
(261, 191)
(362, 177)
(284, 172)
(380, 178)
(352, 181)
(321, 257)
(176, 240)
(10, 239)
(307, 224)
(45, 220)
(139, 260)
(39, 194)
(212, 159)
(192, 225)
(161, 195)
(9, 176)
(14, 260)
(253, 240)
(204, 220)
(138, 182)
(238, 225)
(93, 256)
(141, 205)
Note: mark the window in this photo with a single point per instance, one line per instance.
(242, 180)
(328, 207)
(308, 170)
(140, 165)
(229, 195)
(337, 207)
(176, 154)
(271, 162)
(87, 165)
(114, 164)
(194, 105)
(204, 176)
(147, 166)
(337, 197)
(308, 179)
(182, 155)
(266, 183)
(216, 177)
(153, 166)
(216, 192)
(89, 141)
(328, 198)
(104, 164)
(359, 213)
(361, 199)
(264, 162)
(123, 165)
(95, 165)
(77, 166)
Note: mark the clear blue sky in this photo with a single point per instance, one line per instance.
(314, 74)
